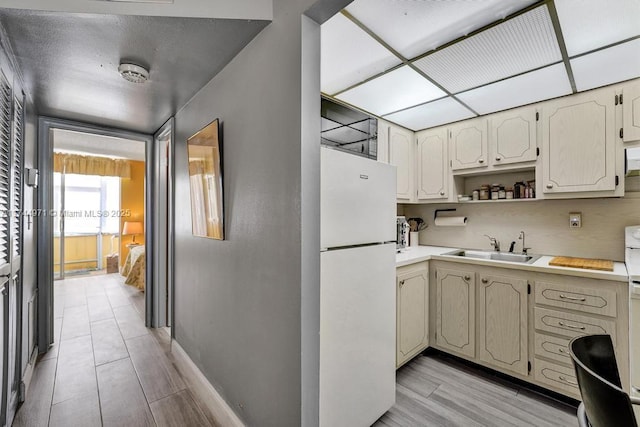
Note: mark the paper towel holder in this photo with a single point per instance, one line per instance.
(435, 214)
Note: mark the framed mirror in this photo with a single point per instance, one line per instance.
(205, 181)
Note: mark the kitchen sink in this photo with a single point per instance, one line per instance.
(496, 256)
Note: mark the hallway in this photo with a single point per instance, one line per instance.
(106, 367)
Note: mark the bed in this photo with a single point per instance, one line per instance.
(134, 267)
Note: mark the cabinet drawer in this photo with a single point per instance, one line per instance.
(572, 325)
(558, 377)
(554, 348)
(597, 301)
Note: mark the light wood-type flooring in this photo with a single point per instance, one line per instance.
(437, 390)
(105, 367)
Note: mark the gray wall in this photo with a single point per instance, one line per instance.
(238, 302)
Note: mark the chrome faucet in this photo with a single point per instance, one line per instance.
(494, 242)
(524, 248)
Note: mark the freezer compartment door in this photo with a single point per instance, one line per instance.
(357, 335)
(358, 200)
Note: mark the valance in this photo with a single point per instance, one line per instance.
(90, 165)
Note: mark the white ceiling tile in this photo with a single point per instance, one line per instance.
(590, 24)
(349, 55)
(523, 43)
(414, 27)
(546, 83)
(434, 113)
(607, 66)
(392, 91)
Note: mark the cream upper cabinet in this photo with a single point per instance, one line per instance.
(512, 136)
(412, 310)
(401, 155)
(468, 144)
(503, 328)
(579, 143)
(432, 165)
(631, 113)
(383, 142)
(455, 310)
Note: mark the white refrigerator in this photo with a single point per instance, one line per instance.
(357, 294)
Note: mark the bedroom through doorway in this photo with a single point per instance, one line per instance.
(98, 218)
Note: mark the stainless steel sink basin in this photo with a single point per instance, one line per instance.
(496, 256)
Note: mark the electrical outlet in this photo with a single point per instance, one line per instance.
(575, 219)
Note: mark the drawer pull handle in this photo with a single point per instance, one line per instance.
(582, 328)
(572, 298)
(566, 380)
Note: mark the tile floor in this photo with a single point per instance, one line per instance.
(106, 368)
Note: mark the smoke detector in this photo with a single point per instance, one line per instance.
(133, 73)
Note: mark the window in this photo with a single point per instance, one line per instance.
(91, 204)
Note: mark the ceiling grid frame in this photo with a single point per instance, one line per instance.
(453, 94)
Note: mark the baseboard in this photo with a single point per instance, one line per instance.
(218, 407)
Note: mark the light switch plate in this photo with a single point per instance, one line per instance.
(575, 219)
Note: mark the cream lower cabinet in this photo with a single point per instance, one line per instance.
(503, 326)
(455, 310)
(412, 311)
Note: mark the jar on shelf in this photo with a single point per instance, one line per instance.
(509, 193)
(502, 193)
(495, 191)
(484, 192)
(476, 195)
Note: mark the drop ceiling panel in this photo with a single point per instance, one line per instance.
(434, 113)
(539, 85)
(415, 27)
(349, 55)
(512, 47)
(591, 24)
(391, 92)
(607, 66)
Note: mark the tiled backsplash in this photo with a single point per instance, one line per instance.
(545, 222)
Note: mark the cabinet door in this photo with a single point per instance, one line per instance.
(433, 165)
(383, 142)
(512, 136)
(455, 310)
(468, 142)
(503, 322)
(579, 143)
(631, 113)
(401, 156)
(412, 299)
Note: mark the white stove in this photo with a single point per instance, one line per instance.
(632, 260)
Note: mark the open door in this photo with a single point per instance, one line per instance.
(163, 230)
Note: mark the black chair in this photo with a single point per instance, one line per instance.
(604, 402)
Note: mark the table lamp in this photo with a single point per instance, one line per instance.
(132, 228)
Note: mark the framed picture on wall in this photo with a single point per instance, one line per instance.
(204, 151)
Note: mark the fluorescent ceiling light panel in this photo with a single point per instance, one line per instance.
(591, 24)
(140, 1)
(393, 91)
(523, 43)
(546, 83)
(415, 27)
(434, 113)
(607, 66)
(349, 55)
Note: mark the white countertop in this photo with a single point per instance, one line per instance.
(415, 254)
